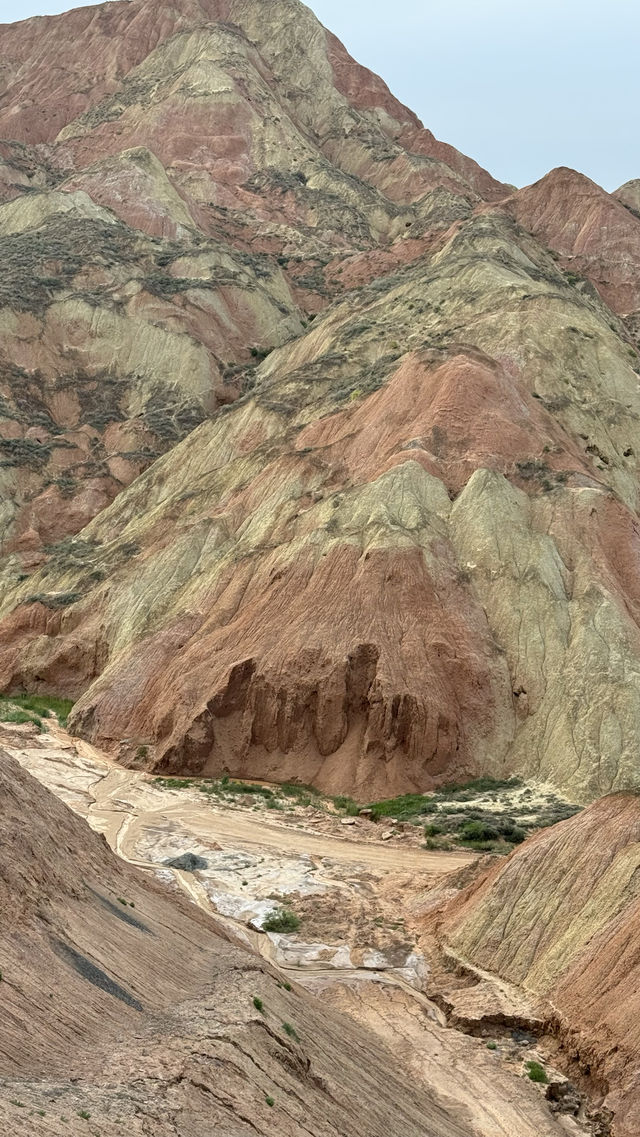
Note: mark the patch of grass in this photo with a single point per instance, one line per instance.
(270, 1101)
(346, 805)
(282, 920)
(84, 1114)
(258, 1004)
(293, 789)
(244, 788)
(44, 705)
(536, 1072)
(12, 714)
(174, 783)
(479, 786)
(19, 1104)
(402, 808)
(291, 1031)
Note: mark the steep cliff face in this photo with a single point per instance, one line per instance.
(561, 918)
(319, 446)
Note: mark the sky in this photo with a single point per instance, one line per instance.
(520, 85)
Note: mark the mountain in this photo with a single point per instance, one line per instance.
(319, 446)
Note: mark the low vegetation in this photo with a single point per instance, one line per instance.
(536, 1072)
(282, 920)
(33, 709)
(486, 814)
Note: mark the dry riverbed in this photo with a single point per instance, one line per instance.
(360, 890)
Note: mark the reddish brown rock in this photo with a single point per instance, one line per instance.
(561, 919)
(594, 234)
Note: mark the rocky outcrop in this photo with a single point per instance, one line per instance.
(594, 234)
(629, 195)
(560, 919)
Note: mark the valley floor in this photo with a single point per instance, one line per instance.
(361, 902)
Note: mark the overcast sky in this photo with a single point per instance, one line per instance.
(520, 85)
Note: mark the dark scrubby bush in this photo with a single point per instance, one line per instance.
(472, 831)
(282, 920)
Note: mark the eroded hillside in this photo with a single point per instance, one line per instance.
(319, 448)
(560, 920)
(125, 1009)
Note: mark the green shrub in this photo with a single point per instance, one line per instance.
(472, 831)
(291, 1031)
(492, 1046)
(480, 785)
(270, 1101)
(536, 1072)
(511, 832)
(258, 1004)
(432, 830)
(282, 920)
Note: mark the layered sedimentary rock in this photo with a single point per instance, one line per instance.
(561, 919)
(125, 1006)
(319, 447)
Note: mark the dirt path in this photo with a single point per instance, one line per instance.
(235, 828)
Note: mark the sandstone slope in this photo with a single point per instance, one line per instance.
(126, 1010)
(561, 918)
